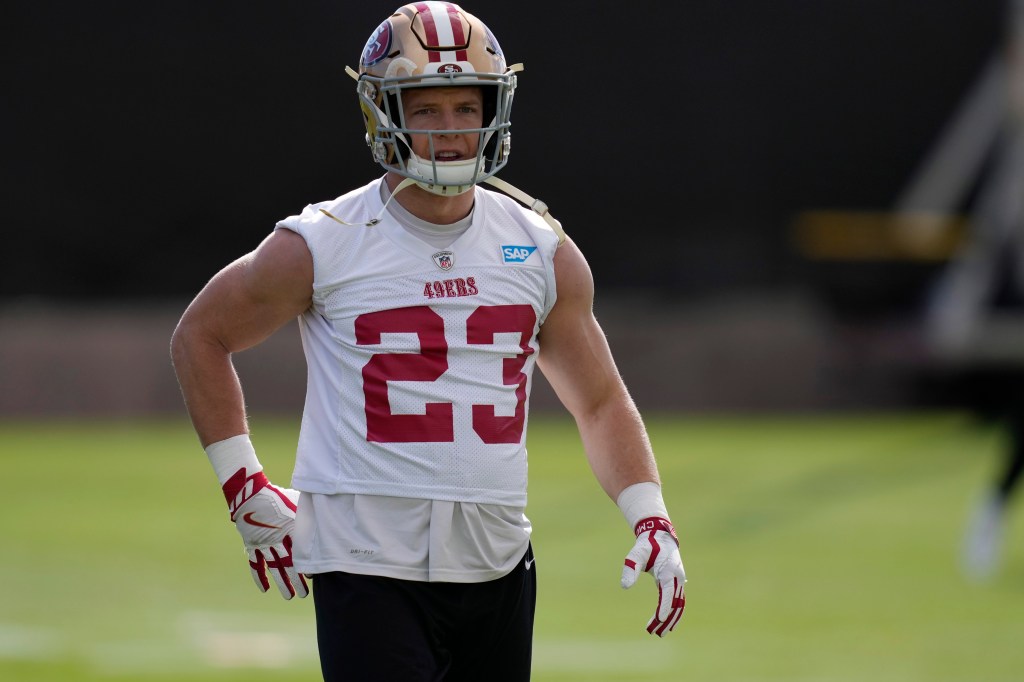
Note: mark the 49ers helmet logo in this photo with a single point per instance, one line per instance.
(378, 46)
(449, 68)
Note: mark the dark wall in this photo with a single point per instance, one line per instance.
(148, 144)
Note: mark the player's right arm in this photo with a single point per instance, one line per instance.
(241, 306)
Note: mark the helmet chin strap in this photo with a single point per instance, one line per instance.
(443, 178)
(535, 205)
(444, 172)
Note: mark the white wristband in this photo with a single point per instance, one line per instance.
(229, 455)
(641, 501)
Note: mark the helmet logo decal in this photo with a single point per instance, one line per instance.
(378, 46)
(445, 35)
(449, 68)
(444, 260)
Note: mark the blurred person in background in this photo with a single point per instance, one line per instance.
(424, 302)
(985, 536)
(975, 317)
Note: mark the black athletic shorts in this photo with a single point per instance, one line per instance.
(389, 630)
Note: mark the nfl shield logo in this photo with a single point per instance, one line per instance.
(444, 260)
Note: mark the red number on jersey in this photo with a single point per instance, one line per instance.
(481, 327)
(436, 425)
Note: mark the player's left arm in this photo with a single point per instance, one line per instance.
(576, 360)
(578, 363)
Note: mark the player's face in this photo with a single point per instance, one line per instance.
(455, 108)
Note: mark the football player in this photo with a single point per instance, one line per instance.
(424, 301)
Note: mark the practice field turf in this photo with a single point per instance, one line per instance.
(817, 549)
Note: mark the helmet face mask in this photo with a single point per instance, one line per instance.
(434, 44)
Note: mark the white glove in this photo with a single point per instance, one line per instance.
(263, 514)
(657, 552)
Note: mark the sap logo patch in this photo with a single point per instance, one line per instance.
(516, 254)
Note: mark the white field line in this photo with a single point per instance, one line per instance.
(237, 640)
(18, 642)
(600, 655)
(196, 641)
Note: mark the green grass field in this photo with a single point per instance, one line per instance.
(817, 549)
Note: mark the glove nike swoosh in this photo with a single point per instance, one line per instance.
(248, 518)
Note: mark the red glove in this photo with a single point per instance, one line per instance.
(657, 552)
(263, 514)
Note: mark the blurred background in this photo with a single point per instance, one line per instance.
(731, 170)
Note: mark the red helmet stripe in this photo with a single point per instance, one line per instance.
(443, 28)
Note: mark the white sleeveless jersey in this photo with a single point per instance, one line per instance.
(420, 360)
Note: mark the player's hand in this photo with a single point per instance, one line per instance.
(265, 516)
(657, 552)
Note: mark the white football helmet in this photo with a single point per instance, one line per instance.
(426, 44)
